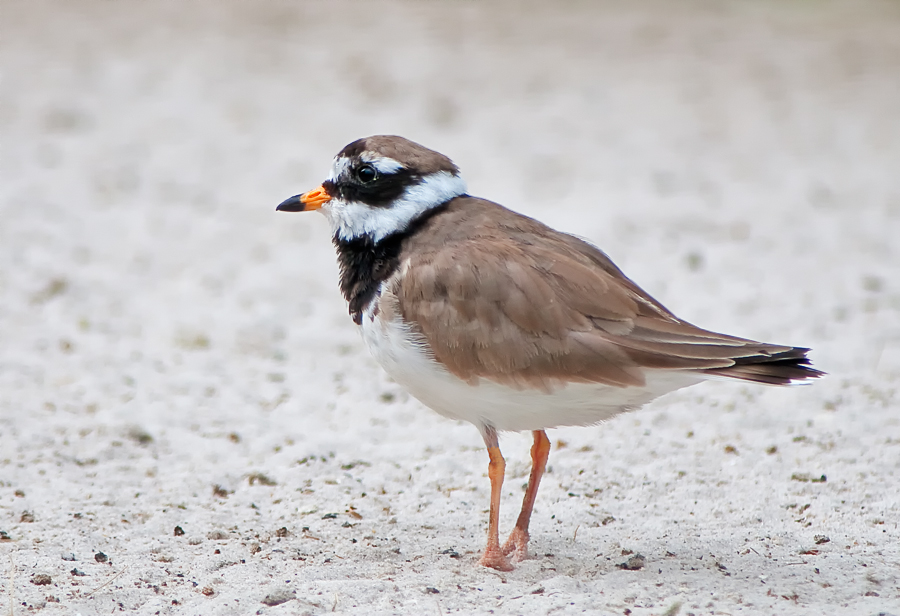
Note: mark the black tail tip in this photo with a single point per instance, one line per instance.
(786, 368)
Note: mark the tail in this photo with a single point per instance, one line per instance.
(781, 368)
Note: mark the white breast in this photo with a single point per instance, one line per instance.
(407, 360)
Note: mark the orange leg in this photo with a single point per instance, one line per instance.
(493, 555)
(518, 538)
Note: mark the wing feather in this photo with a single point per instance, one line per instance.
(497, 295)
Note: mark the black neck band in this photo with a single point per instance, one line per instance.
(365, 264)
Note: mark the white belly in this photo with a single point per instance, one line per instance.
(487, 403)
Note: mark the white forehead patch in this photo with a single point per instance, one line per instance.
(339, 166)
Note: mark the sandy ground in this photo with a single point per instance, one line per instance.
(189, 423)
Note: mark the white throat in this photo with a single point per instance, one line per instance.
(350, 220)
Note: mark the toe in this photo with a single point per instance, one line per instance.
(517, 545)
(520, 554)
(495, 559)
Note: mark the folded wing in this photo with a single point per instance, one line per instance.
(539, 310)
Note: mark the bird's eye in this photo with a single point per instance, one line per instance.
(366, 174)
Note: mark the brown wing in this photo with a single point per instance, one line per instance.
(500, 296)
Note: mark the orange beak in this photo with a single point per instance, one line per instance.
(307, 202)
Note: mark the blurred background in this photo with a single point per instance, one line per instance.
(739, 160)
(145, 144)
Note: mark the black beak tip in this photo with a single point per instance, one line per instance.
(292, 204)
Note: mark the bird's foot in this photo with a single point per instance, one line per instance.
(495, 559)
(517, 545)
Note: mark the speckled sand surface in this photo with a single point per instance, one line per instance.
(176, 355)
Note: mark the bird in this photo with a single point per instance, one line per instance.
(491, 317)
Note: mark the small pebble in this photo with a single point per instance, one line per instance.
(277, 596)
(41, 579)
(634, 563)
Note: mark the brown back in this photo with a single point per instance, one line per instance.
(501, 296)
